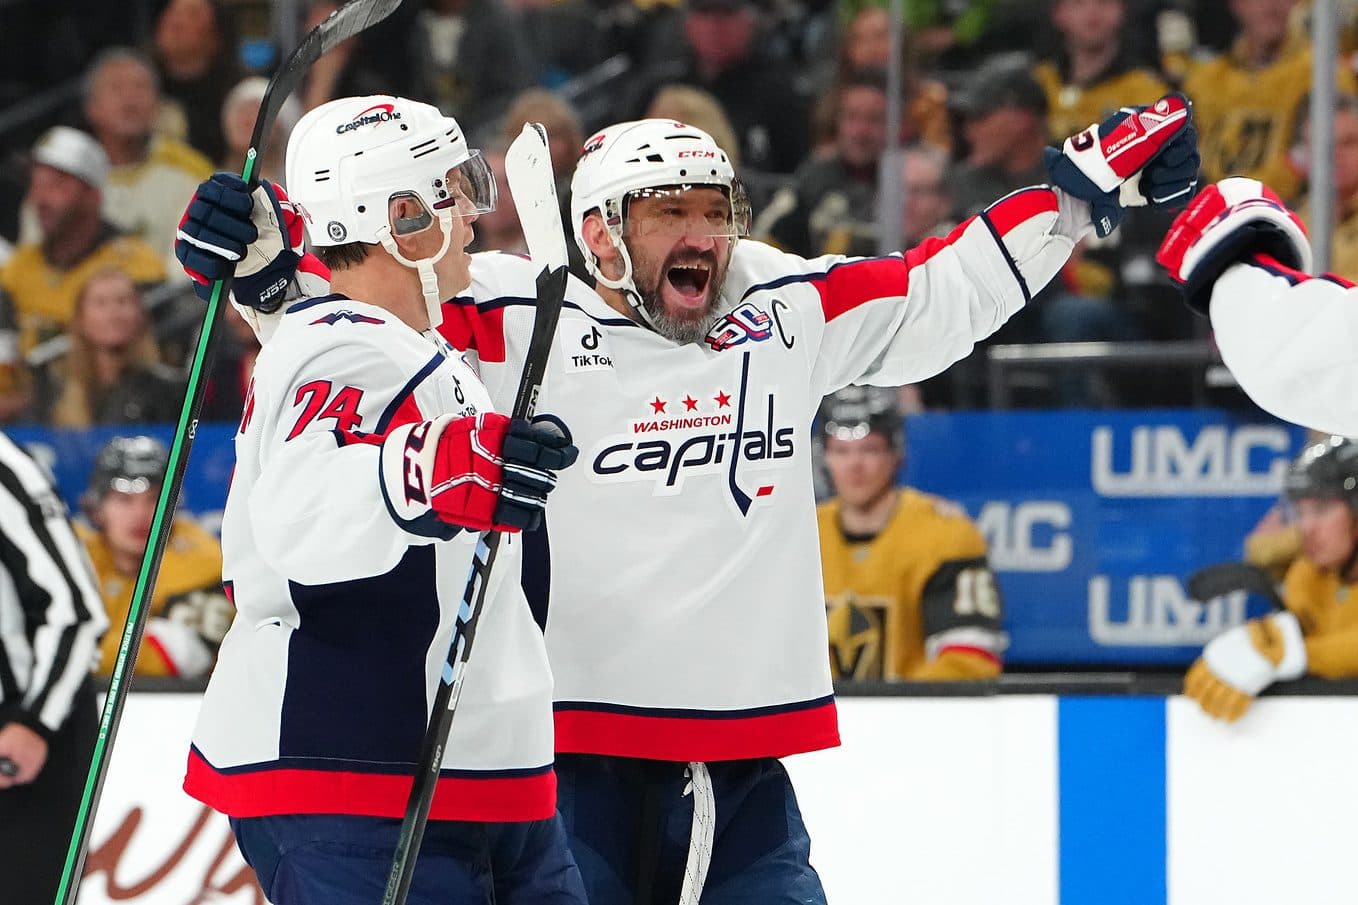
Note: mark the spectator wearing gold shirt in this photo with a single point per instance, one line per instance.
(43, 277)
(1248, 102)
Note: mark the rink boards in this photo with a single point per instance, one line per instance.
(1016, 799)
(1093, 519)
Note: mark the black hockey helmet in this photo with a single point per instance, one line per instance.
(127, 465)
(1325, 470)
(856, 411)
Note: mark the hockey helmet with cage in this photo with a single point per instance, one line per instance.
(1325, 470)
(649, 156)
(856, 411)
(349, 159)
(126, 465)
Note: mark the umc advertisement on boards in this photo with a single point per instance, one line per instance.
(1093, 518)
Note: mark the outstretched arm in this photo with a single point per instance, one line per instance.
(894, 320)
(1288, 337)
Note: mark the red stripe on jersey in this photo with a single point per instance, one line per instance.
(266, 792)
(1020, 207)
(972, 651)
(846, 286)
(468, 328)
(675, 738)
(1298, 276)
(408, 412)
(350, 438)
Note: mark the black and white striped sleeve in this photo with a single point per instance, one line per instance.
(51, 615)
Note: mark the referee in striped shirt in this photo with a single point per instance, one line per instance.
(51, 618)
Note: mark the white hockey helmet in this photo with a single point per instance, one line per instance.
(649, 154)
(349, 158)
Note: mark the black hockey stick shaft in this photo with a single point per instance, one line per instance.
(551, 291)
(340, 26)
(1227, 578)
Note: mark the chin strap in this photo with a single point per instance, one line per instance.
(625, 284)
(429, 281)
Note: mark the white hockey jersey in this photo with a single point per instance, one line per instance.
(679, 571)
(324, 683)
(1291, 340)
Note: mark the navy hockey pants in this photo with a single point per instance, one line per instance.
(322, 859)
(628, 822)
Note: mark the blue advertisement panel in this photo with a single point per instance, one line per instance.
(70, 455)
(1093, 518)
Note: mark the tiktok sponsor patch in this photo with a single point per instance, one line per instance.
(587, 350)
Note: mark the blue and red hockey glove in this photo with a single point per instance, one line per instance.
(1137, 156)
(226, 224)
(1226, 223)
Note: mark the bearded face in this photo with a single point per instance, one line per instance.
(680, 244)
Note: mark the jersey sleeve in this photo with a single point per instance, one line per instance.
(320, 457)
(962, 614)
(903, 318)
(1290, 340)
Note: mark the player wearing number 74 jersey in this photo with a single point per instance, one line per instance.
(368, 460)
(678, 575)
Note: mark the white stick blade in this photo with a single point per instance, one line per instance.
(528, 164)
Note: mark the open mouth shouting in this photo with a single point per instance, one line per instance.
(685, 285)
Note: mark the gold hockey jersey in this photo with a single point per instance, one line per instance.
(188, 591)
(1249, 119)
(1327, 609)
(918, 601)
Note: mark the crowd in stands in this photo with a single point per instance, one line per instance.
(796, 90)
(111, 114)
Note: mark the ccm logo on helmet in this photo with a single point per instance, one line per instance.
(592, 145)
(703, 154)
(379, 114)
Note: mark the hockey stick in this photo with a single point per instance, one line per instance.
(1229, 577)
(529, 168)
(340, 26)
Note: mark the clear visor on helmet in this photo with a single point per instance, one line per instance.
(691, 210)
(468, 189)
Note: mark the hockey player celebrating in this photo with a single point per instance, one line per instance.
(677, 573)
(1243, 259)
(1317, 632)
(368, 458)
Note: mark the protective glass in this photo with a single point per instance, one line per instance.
(679, 211)
(468, 189)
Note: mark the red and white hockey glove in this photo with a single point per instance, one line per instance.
(1137, 156)
(1228, 222)
(482, 472)
(261, 234)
